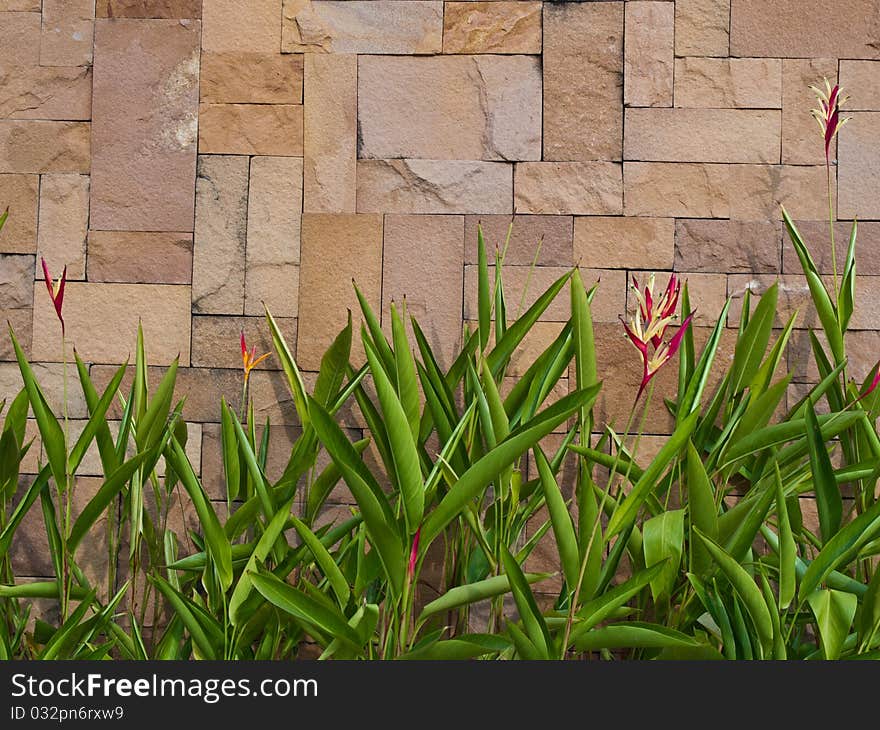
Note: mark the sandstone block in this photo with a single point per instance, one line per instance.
(145, 123)
(794, 295)
(16, 274)
(50, 376)
(456, 107)
(21, 38)
(19, 194)
(650, 49)
(362, 26)
(423, 255)
(434, 186)
(702, 28)
(861, 78)
(579, 188)
(220, 235)
(272, 260)
(624, 243)
(552, 232)
(45, 92)
(64, 223)
(67, 32)
(139, 257)
(724, 246)
(330, 133)
(816, 236)
(848, 31)
(745, 83)
(148, 8)
(492, 27)
(757, 191)
(336, 249)
(801, 139)
(583, 76)
(252, 27)
(103, 331)
(44, 146)
(251, 129)
(251, 78)
(22, 6)
(215, 340)
(702, 135)
(681, 189)
(22, 323)
(858, 175)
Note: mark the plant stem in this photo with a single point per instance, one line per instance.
(831, 227)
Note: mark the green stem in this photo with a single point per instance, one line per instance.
(831, 227)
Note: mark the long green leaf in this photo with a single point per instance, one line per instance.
(828, 500)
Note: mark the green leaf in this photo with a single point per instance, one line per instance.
(375, 329)
(702, 510)
(469, 593)
(55, 647)
(787, 548)
(634, 635)
(102, 434)
(828, 500)
(153, 422)
(746, 589)
(663, 542)
(869, 616)
(194, 622)
(305, 608)
(291, 371)
(603, 606)
(751, 345)
(325, 561)
(834, 612)
(694, 393)
(484, 297)
(320, 489)
(563, 528)
(628, 509)
(229, 446)
(533, 621)
(23, 507)
(407, 378)
(505, 453)
(334, 364)
(467, 646)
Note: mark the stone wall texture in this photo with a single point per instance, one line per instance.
(190, 160)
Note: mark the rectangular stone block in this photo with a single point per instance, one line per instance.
(330, 133)
(45, 92)
(139, 257)
(552, 232)
(702, 28)
(21, 39)
(579, 188)
(145, 123)
(649, 53)
(802, 142)
(861, 79)
(64, 223)
(745, 83)
(220, 235)
(702, 135)
(492, 27)
(67, 32)
(50, 377)
(215, 340)
(19, 194)
(434, 186)
(625, 243)
(16, 290)
(22, 323)
(723, 246)
(251, 129)
(335, 250)
(758, 191)
(148, 8)
(844, 30)
(423, 255)
(231, 25)
(363, 26)
(272, 260)
(251, 78)
(456, 107)
(858, 174)
(44, 146)
(103, 331)
(583, 79)
(23, 6)
(682, 190)
(816, 236)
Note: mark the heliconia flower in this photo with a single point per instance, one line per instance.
(874, 383)
(828, 114)
(649, 324)
(414, 554)
(250, 359)
(56, 290)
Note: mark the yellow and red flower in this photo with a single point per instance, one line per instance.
(250, 359)
(828, 114)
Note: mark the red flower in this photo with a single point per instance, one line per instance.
(414, 554)
(828, 114)
(649, 325)
(874, 383)
(250, 359)
(56, 290)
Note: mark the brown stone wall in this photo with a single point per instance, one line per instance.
(189, 160)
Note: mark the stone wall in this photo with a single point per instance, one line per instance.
(191, 160)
